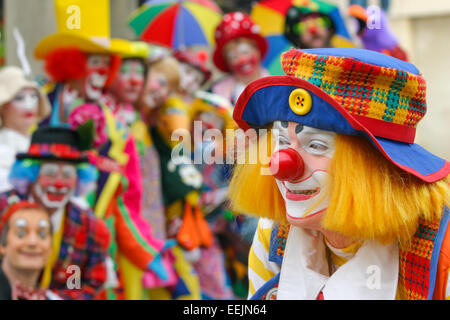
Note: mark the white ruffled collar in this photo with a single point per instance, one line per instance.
(371, 274)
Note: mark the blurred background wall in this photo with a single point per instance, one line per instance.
(423, 28)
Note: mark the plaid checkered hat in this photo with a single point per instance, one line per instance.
(348, 91)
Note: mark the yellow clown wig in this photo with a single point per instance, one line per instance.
(370, 198)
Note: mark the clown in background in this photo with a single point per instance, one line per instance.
(25, 228)
(162, 77)
(206, 111)
(54, 173)
(239, 50)
(307, 26)
(163, 111)
(121, 98)
(82, 66)
(374, 37)
(315, 24)
(351, 207)
(22, 106)
(211, 118)
(194, 73)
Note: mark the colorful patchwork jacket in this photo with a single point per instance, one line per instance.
(423, 268)
(84, 243)
(130, 234)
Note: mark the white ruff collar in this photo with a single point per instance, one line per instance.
(371, 274)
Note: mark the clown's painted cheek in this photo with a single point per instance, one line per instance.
(96, 76)
(27, 100)
(306, 195)
(129, 81)
(29, 240)
(157, 90)
(243, 59)
(55, 189)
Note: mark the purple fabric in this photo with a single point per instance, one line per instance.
(380, 37)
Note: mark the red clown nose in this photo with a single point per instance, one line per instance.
(313, 29)
(287, 165)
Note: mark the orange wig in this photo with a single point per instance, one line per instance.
(370, 198)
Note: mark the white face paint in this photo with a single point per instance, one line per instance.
(157, 89)
(26, 101)
(191, 78)
(97, 75)
(56, 184)
(242, 57)
(316, 147)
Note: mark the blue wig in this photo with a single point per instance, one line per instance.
(24, 172)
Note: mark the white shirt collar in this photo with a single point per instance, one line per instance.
(56, 218)
(14, 139)
(371, 274)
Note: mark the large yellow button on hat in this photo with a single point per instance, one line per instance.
(300, 101)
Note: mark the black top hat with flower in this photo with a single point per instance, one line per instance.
(60, 143)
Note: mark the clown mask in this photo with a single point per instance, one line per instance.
(28, 241)
(129, 81)
(191, 79)
(300, 165)
(96, 75)
(21, 112)
(242, 56)
(55, 184)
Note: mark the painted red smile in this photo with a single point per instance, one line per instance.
(301, 195)
(55, 197)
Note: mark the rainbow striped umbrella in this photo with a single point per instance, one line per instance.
(176, 24)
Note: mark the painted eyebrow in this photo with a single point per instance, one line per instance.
(49, 166)
(21, 222)
(278, 127)
(312, 130)
(43, 224)
(298, 128)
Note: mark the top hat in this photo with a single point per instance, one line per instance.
(348, 91)
(84, 24)
(60, 143)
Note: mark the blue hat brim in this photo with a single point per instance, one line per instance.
(267, 100)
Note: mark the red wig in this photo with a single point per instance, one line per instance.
(114, 67)
(70, 64)
(66, 64)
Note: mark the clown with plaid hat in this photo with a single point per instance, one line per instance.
(350, 206)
